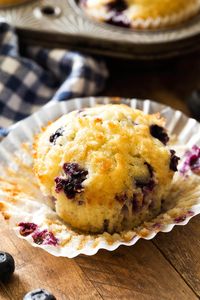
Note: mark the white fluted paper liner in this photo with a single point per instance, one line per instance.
(22, 201)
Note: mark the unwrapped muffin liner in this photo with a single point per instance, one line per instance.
(31, 214)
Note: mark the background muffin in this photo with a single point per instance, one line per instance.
(108, 167)
(12, 2)
(141, 13)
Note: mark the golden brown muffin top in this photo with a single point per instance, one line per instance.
(158, 8)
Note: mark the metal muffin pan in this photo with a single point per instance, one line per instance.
(62, 23)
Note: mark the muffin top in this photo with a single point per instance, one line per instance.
(110, 142)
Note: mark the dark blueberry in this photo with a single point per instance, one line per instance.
(72, 184)
(7, 266)
(121, 198)
(147, 185)
(69, 186)
(57, 134)
(44, 237)
(117, 5)
(60, 183)
(173, 161)
(27, 228)
(135, 204)
(39, 294)
(159, 133)
(119, 19)
(73, 169)
(105, 225)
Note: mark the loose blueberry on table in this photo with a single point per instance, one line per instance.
(7, 266)
(39, 294)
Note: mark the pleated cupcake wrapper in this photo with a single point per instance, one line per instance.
(21, 200)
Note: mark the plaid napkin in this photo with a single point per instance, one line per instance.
(41, 75)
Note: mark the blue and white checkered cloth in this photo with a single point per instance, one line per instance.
(41, 75)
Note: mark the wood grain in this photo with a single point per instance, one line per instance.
(36, 268)
(182, 249)
(165, 269)
(138, 272)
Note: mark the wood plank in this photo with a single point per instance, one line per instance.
(182, 249)
(138, 272)
(38, 269)
(4, 295)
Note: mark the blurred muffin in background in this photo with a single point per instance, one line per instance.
(4, 3)
(141, 14)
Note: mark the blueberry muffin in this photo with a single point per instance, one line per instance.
(107, 168)
(11, 2)
(141, 13)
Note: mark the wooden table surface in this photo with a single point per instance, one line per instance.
(166, 268)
